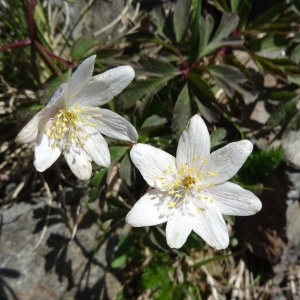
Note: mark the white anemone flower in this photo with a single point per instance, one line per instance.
(73, 124)
(191, 191)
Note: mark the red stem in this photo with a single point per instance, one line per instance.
(58, 58)
(15, 45)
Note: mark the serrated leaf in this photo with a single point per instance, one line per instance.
(126, 169)
(182, 111)
(139, 89)
(159, 18)
(207, 26)
(181, 18)
(282, 114)
(228, 24)
(82, 45)
(156, 67)
(231, 79)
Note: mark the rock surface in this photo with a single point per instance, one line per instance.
(291, 146)
(59, 267)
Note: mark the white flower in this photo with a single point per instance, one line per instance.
(72, 124)
(191, 191)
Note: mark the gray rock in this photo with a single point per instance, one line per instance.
(100, 15)
(291, 146)
(59, 267)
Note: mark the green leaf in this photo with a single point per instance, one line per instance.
(207, 26)
(228, 24)
(234, 5)
(243, 9)
(206, 112)
(268, 66)
(182, 112)
(231, 79)
(119, 261)
(96, 183)
(159, 19)
(116, 153)
(156, 67)
(115, 215)
(203, 97)
(152, 123)
(181, 18)
(117, 203)
(261, 163)
(270, 15)
(295, 54)
(126, 169)
(282, 95)
(195, 28)
(282, 114)
(296, 4)
(277, 66)
(270, 44)
(82, 45)
(198, 83)
(217, 137)
(139, 89)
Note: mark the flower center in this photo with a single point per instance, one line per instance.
(64, 127)
(188, 182)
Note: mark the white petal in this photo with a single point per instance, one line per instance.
(178, 229)
(96, 147)
(29, 132)
(79, 162)
(231, 199)
(151, 209)
(210, 226)
(103, 87)
(78, 80)
(152, 163)
(56, 98)
(227, 161)
(115, 126)
(194, 143)
(45, 153)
